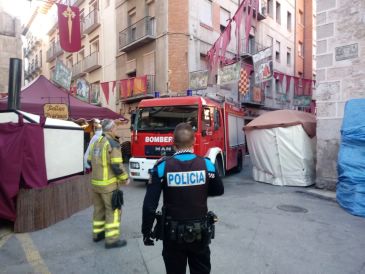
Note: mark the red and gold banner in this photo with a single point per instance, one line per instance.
(69, 27)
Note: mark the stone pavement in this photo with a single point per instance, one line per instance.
(256, 234)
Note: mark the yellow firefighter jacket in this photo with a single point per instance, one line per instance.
(107, 164)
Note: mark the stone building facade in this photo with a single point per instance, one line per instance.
(340, 76)
(10, 47)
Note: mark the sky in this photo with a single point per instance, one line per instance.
(19, 8)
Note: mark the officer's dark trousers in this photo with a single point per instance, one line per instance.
(177, 255)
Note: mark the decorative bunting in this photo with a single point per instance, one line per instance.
(114, 85)
(105, 89)
(69, 27)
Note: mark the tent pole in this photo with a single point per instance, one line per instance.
(15, 79)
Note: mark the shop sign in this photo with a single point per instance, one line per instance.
(229, 74)
(62, 75)
(56, 111)
(263, 65)
(198, 80)
(302, 101)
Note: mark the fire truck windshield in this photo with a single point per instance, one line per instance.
(166, 118)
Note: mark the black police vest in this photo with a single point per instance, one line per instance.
(185, 189)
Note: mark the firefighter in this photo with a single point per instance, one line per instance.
(186, 181)
(107, 175)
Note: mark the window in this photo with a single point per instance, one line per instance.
(277, 51)
(206, 119)
(132, 30)
(300, 49)
(132, 74)
(166, 118)
(149, 63)
(270, 8)
(205, 13)
(224, 17)
(94, 45)
(288, 56)
(81, 55)
(203, 62)
(278, 13)
(301, 18)
(151, 8)
(288, 19)
(107, 3)
(217, 120)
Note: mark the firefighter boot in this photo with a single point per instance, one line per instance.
(119, 243)
(98, 237)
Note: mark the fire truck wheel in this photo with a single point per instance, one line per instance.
(219, 166)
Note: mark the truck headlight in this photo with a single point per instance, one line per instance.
(134, 165)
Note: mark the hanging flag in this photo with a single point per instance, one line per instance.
(249, 13)
(225, 41)
(126, 87)
(69, 27)
(238, 20)
(105, 88)
(140, 85)
(244, 82)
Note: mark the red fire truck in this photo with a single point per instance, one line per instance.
(218, 126)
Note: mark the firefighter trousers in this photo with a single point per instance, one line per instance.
(105, 219)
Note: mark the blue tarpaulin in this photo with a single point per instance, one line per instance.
(351, 159)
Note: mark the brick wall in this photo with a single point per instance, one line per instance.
(340, 76)
(178, 11)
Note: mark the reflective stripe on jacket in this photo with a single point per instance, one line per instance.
(106, 162)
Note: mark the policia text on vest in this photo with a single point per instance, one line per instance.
(186, 181)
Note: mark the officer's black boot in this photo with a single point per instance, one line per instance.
(119, 243)
(100, 236)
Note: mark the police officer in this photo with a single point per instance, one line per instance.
(186, 181)
(107, 175)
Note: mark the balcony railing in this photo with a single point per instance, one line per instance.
(137, 34)
(91, 22)
(91, 62)
(255, 96)
(54, 51)
(77, 70)
(76, 2)
(139, 95)
(249, 47)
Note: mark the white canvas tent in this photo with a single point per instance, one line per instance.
(63, 143)
(282, 147)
